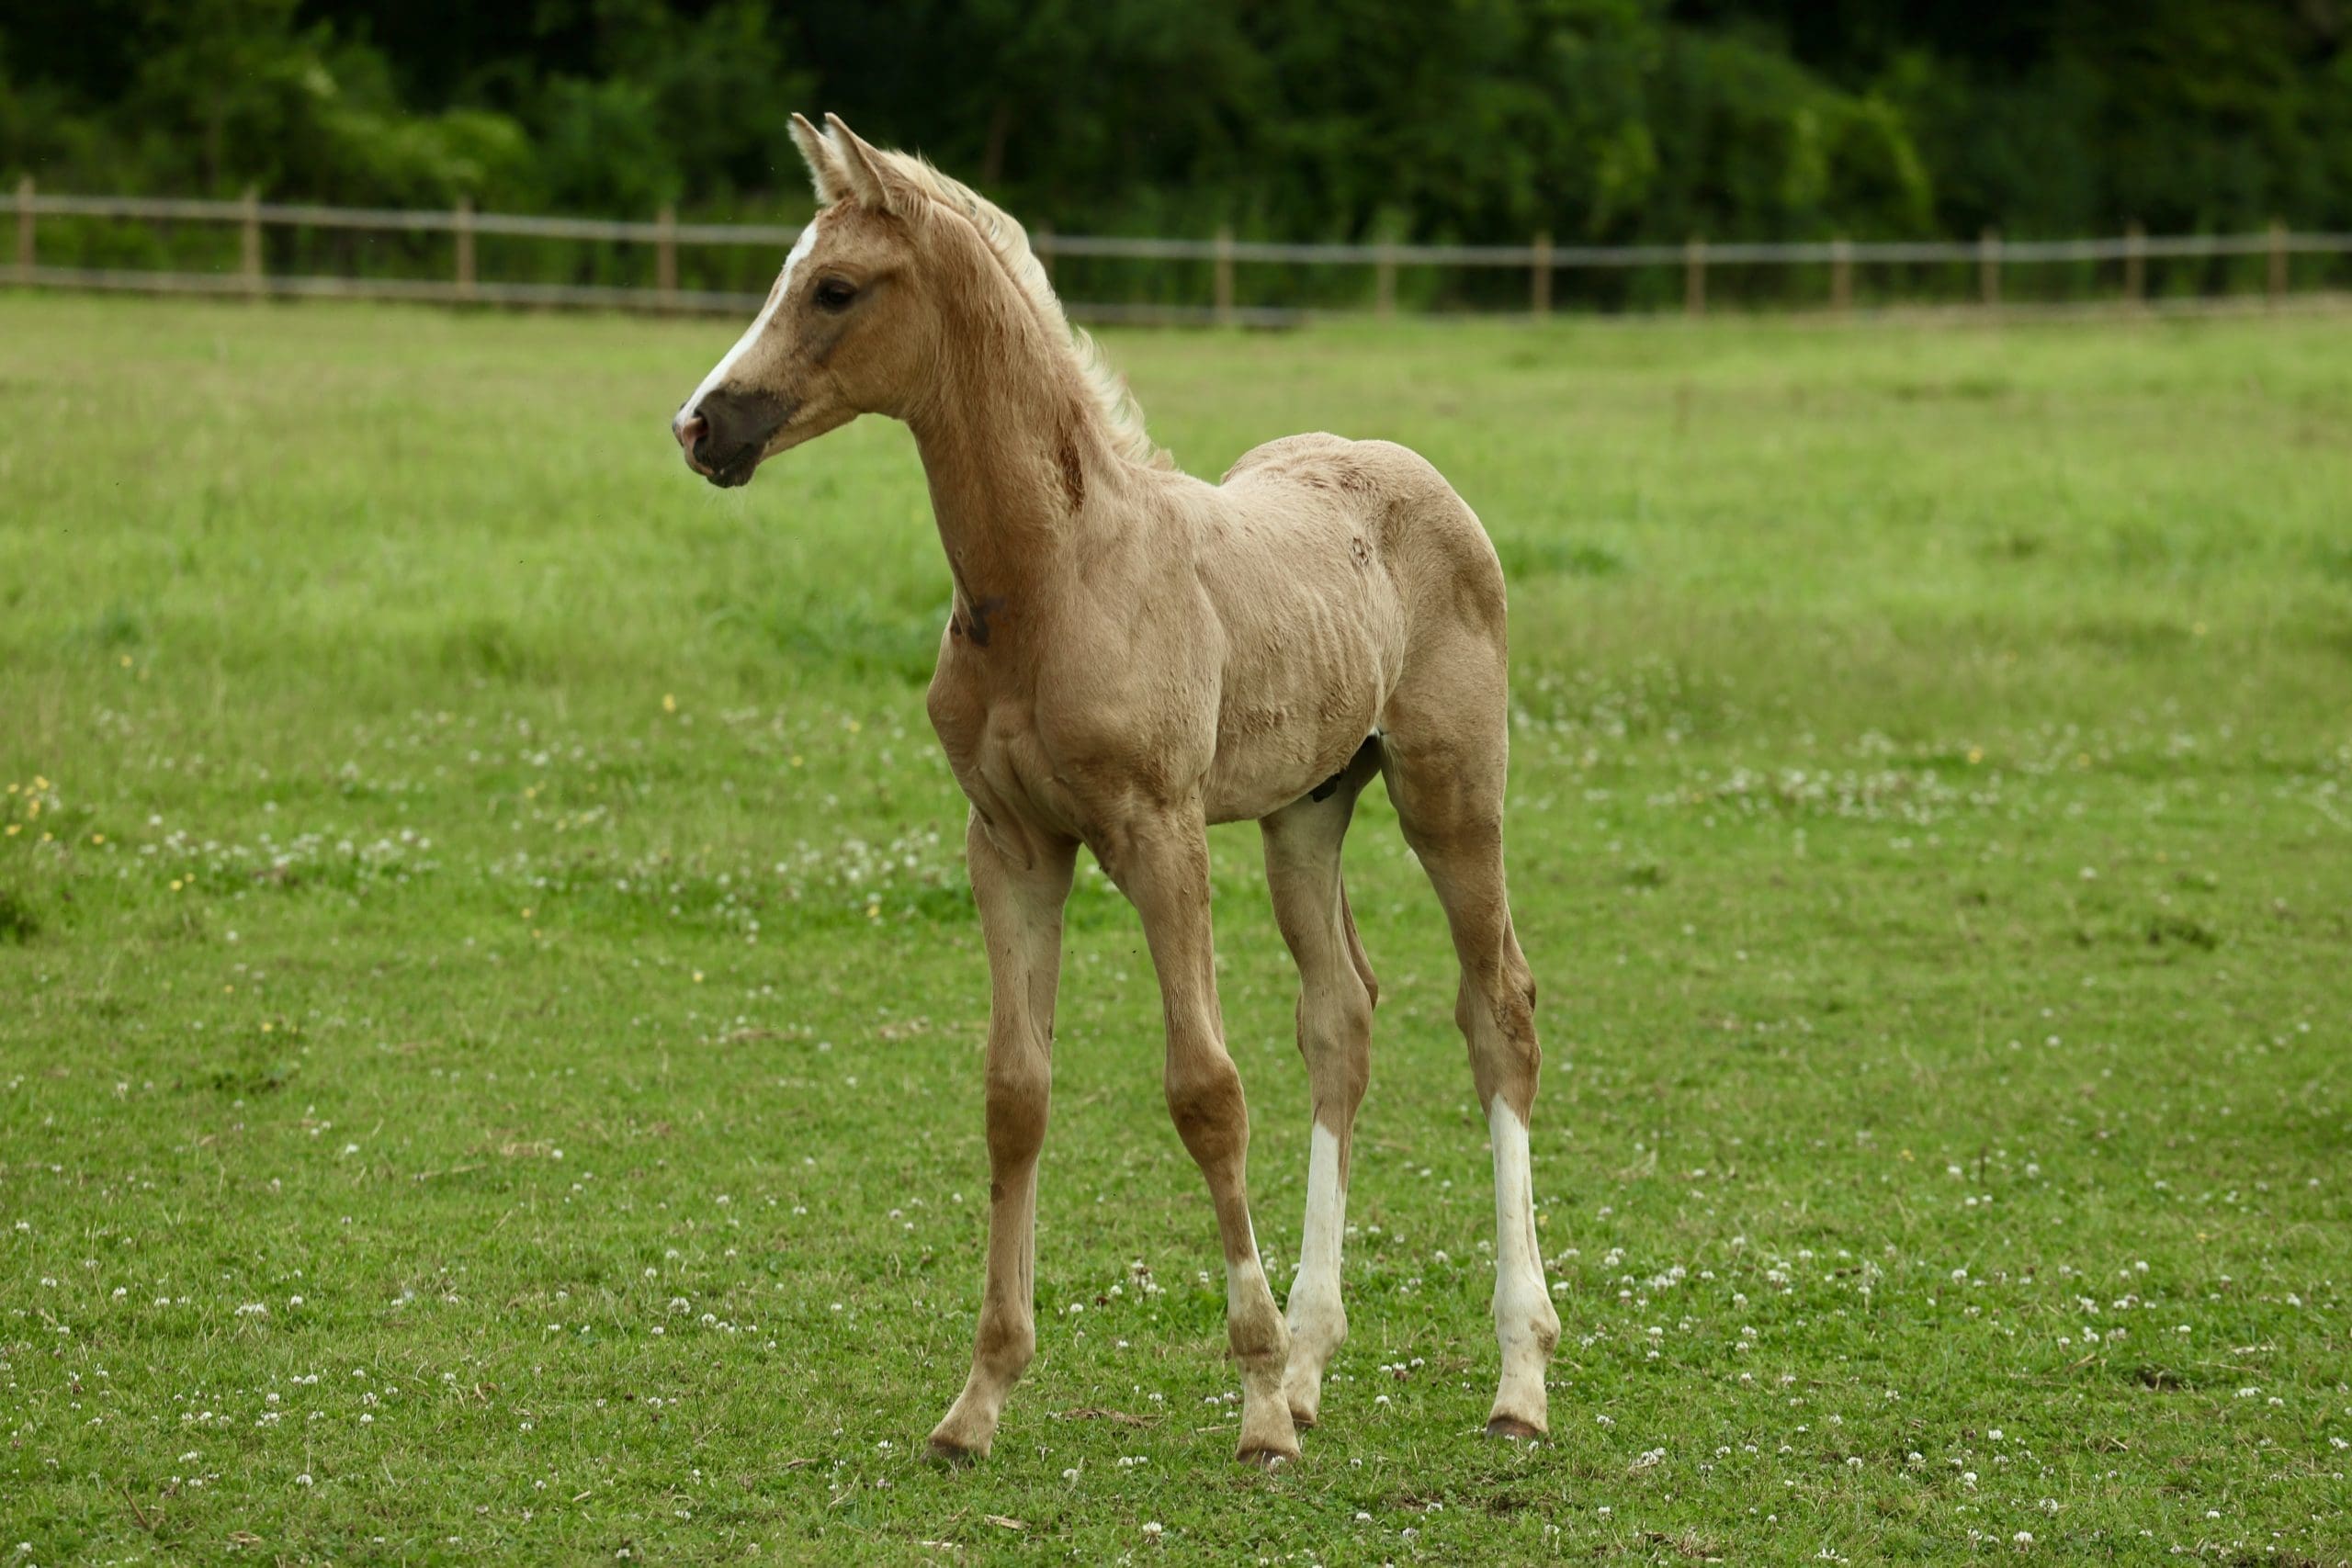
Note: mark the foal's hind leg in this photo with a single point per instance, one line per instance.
(1335, 999)
(1446, 753)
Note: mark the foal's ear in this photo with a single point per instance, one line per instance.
(824, 163)
(868, 174)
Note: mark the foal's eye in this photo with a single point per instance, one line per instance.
(832, 294)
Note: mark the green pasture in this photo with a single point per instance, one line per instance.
(491, 1016)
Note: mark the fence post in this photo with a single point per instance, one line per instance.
(1224, 281)
(464, 227)
(2278, 261)
(25, 226)
(2136, 262)
(1694, 276)
(665, 255)
(249, 242)
(1384, 280)
(1041, 245)
(1539, 281)
(1988, 267)
(1841, 274)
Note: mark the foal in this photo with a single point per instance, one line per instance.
(1132, 655)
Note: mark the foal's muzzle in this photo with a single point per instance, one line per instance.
(724, 435)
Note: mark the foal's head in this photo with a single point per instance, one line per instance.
(849, 325)
(901, 270)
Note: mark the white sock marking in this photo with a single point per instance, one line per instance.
(1519, 1264)
(1316, 1316)
(1318, 1253)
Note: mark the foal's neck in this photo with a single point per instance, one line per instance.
(1012, 444)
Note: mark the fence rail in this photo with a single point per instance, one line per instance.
(1541, 259)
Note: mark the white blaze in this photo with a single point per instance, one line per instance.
(783, 291)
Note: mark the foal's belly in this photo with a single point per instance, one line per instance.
(1250, 782)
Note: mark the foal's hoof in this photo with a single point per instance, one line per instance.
(1265, 1456)
(949, 1453)
(1513, 1428)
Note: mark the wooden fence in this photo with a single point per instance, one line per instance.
(1990, 258)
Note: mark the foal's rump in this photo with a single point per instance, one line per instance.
(1422, 533)
(1336, 567)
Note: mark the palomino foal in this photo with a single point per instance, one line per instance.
(1132, 655)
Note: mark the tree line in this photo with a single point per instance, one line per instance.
(1472, 121)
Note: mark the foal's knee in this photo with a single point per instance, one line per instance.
(1205, 1101)
(1019, 1086)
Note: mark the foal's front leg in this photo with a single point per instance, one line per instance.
(1020, 917)
(1163, 864)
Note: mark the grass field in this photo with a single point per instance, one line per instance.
(492, 1027)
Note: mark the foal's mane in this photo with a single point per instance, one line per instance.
(1009, 242)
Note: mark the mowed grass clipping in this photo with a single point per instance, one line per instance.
(491, 1059)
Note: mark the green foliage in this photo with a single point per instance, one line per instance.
(234, 92)
(679, 109)
(1750, 142)
(1481, 121)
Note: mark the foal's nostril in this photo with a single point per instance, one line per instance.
(690, 428)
